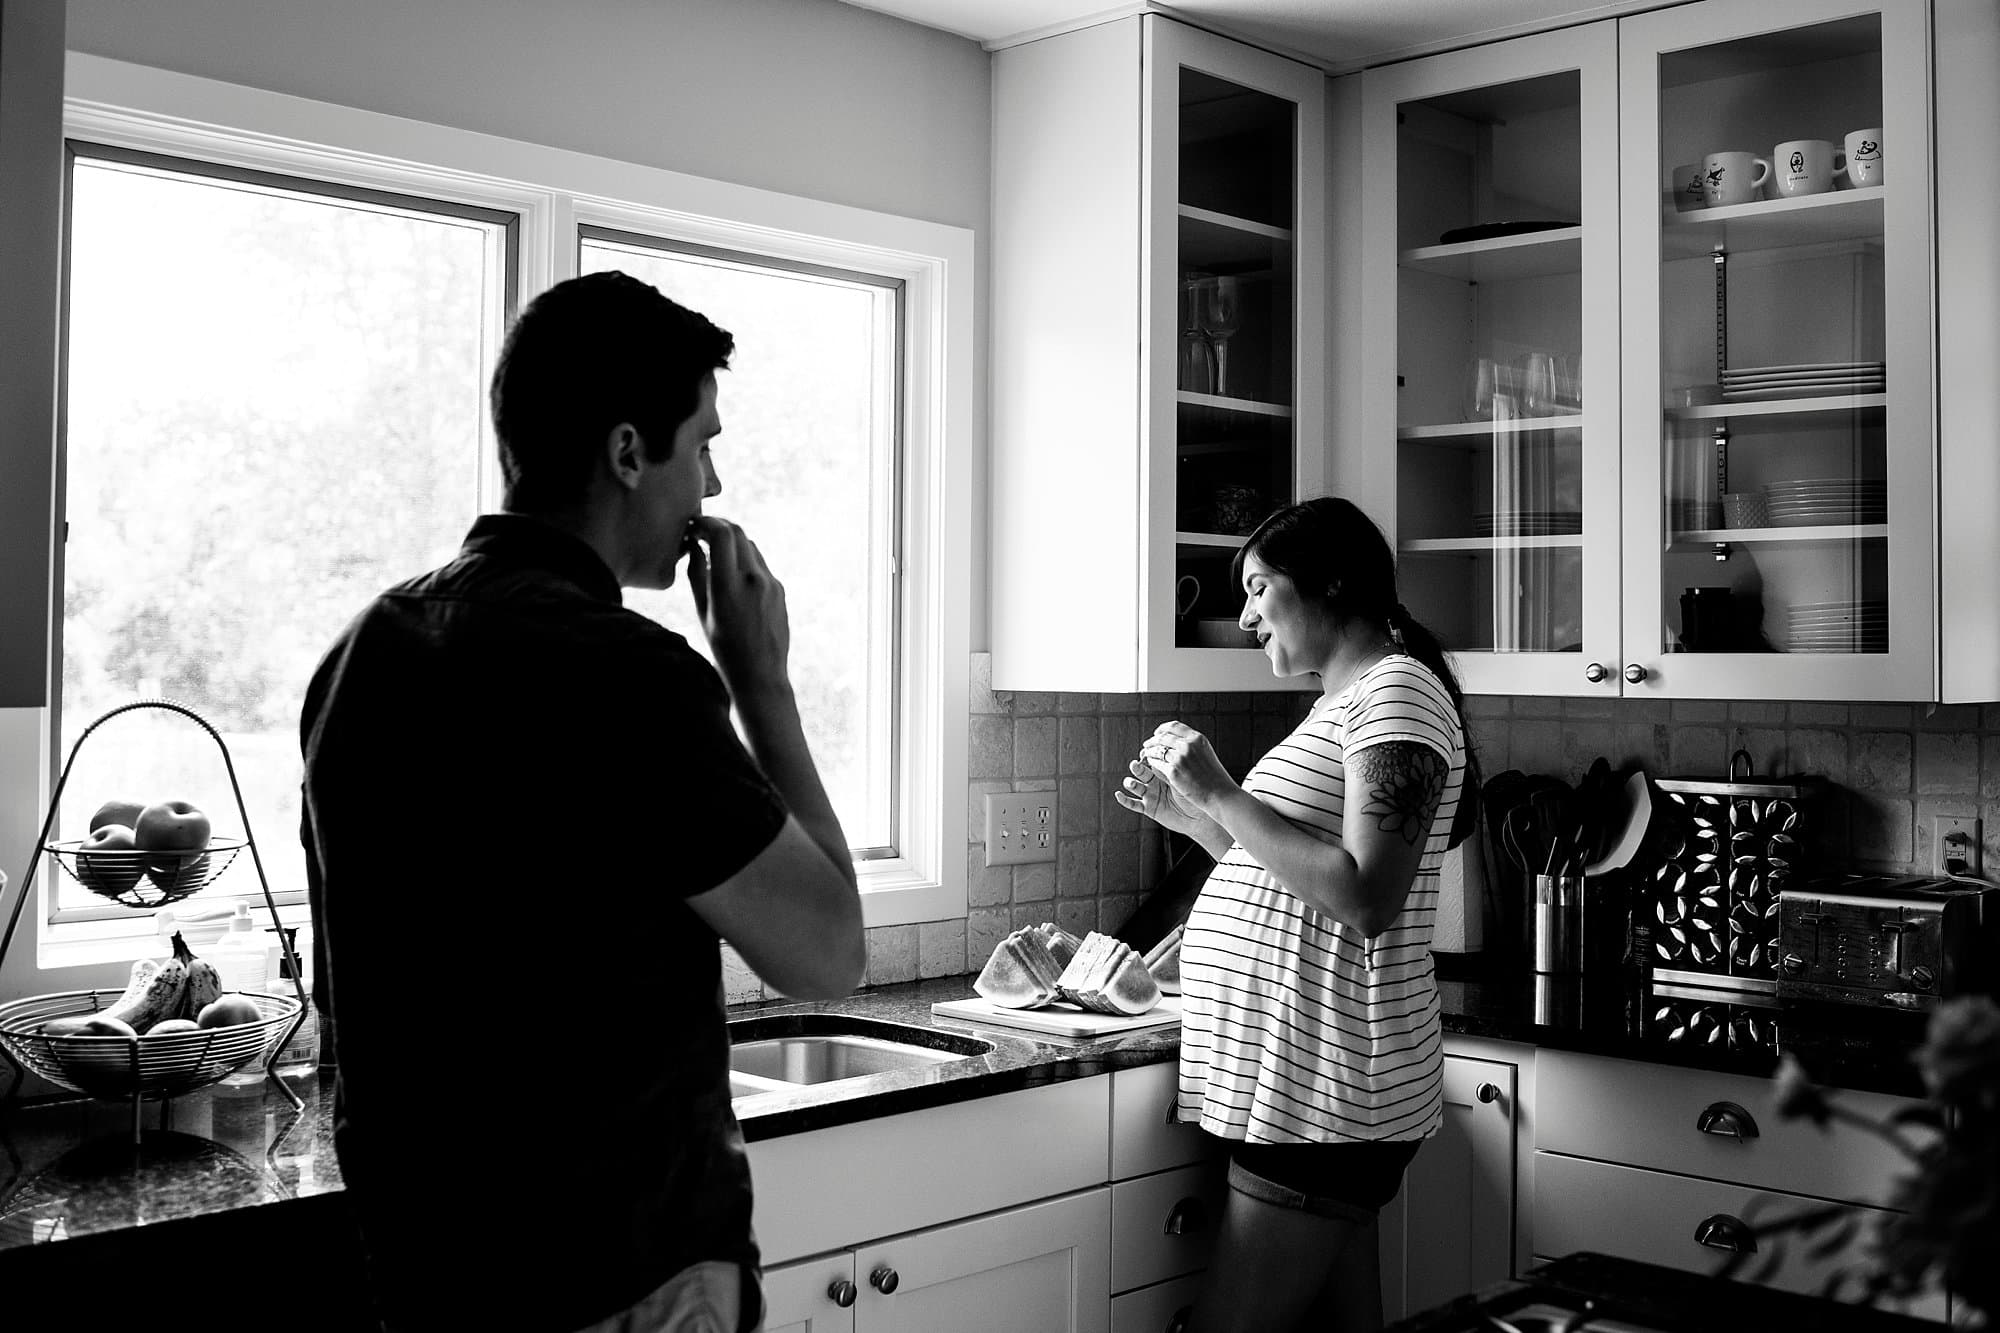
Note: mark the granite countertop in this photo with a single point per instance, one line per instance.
(69, 1168)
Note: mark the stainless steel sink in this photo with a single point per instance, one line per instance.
(803, 1050)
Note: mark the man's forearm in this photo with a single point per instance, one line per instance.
(771, 723)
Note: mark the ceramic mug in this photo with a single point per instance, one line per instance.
(1187, 590)
(1732, 177)
(1861, 158)
(1802, 166)
(1687, 188)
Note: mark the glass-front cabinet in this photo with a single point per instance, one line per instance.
(1159, 348)
(1779, 473)
(1660, 387)
(1494, 261)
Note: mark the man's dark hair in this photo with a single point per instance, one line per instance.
(585, 356)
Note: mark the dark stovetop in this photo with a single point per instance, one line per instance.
(1596, 1293)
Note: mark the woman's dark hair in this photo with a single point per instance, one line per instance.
(1328, 548)
(587, 355)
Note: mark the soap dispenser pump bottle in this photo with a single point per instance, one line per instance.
(239, 955)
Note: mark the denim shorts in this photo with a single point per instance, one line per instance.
(1349, 1181)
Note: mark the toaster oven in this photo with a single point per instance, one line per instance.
(1898, 941)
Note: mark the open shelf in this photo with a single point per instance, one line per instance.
(1776, 407)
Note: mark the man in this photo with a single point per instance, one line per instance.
(528, 820)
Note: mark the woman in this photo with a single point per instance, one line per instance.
(1311, 1043)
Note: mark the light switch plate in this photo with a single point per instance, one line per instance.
(1020, 827)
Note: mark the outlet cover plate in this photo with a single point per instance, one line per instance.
(1944, 829)
(1020, 827)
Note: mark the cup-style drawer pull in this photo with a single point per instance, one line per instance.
(884, 1279)
(1726, 1120)
(1178, 1323)
(1187, 1218)
(841, 1293)
(1720, 1231)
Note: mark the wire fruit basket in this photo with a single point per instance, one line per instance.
(163, 1064)
(156, 1065)
(141, 878)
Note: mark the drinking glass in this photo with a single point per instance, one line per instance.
(1197, 372)
(1538, 384)
(1221, 318)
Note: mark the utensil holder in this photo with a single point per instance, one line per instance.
(1558, 924)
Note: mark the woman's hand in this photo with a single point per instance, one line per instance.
(1183, 756)
(1147, 793)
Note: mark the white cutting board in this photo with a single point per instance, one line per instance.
(1061, 1019)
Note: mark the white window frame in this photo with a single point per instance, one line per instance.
(553, 190)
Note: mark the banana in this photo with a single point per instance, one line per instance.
(161, 997)
(143, 972)
(204, 983)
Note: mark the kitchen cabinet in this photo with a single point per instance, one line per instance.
(1710, 1158)
(1450, 1230)
(1584, 366)
(1169, 1187)
(1158, 374)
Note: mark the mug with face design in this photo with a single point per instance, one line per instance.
(1802, 166)
(1732, 177)
(1187, 591)
(1687, 188)
(1861, 160)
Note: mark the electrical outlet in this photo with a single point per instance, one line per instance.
(1955, 845)
(1020, 827)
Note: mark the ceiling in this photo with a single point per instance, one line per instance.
(1337, 35)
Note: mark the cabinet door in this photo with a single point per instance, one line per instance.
(1451, 1230)
(805, 1297)
(1779, 478)
(1159, 346)
(1490, 366)
(1235, 337)
(1044, 1268)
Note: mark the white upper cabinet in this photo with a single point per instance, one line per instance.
(1159, 348)
(1634, 439)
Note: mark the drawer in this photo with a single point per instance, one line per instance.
(1650, 1115)
(1142, 1140)
(1164, 1225)
(1160, 1308)
(1652, 1217)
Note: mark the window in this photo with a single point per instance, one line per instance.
(807, 459)
(322, 403)
(275, 409)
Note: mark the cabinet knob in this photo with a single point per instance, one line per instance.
(1720, 1231)
(1486, 1092)
(1726, 1120)
(1635, 673)
(1595, 672)
(841, 1293)
(1186, 1218)
(884, 1279)
(1179, 1322)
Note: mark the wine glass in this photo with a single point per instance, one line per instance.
(1197, 374)
(1221, 317)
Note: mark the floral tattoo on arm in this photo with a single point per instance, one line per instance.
(1403, 782)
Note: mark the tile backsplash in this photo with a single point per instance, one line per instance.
(1892, 769)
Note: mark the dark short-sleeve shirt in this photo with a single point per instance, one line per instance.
(513, 783)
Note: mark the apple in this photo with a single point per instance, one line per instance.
(171, 1025)
(116, 868)
(175, 831)
(116, 812)
(228, 1011)
(88, 1025)
(171, 826)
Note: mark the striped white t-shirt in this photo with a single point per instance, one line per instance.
(1299, 1029)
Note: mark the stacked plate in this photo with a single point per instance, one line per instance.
(1813, 379)
(1839, 627)
(1528, 523)
(1810, 501)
